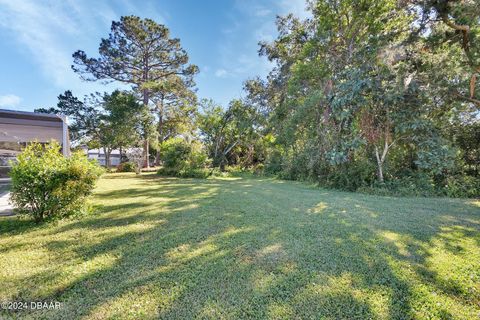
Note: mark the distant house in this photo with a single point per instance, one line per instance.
(18, 128)
(99, 155)
(115, 156)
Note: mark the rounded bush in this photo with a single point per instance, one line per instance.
(181, 158)
(47, 185)
(463, 187)
(127, 167)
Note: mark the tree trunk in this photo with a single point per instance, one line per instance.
(160, 138)
(222, 165)
(106, 152)
(379, 166)
(157, 158)
(146, 151)
(107, 159)
(381, 159)
(145, 143)
(216, 159)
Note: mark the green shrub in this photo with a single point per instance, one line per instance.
(182, 159)
(350, 177)
(416, 184)
(295, 166)
(202, 173)
(273, 162)
(257, 169)
(127, 167)
(175, 153)
(463, 187)
(47, 185)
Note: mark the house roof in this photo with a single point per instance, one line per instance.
(100, 152)
(22, 126)
(14, 114)
(113, 152)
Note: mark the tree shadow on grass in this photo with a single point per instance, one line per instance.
(241, 249)
(15, 225)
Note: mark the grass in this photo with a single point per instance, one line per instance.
(246, 248)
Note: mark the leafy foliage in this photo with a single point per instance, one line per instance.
(462, 186)
(127, 167)
(122, 123)
(135, 155)
(140, 52)
(81, 115)
(364, 95)
(373, 94)
(47, 185)
(183, 159)
(232, 136)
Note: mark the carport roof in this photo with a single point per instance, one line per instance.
(4, 113)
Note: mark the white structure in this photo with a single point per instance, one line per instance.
(19, 128)
(99, 155)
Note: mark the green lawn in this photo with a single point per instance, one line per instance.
(246, 248)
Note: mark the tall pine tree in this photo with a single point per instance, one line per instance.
(138, 52)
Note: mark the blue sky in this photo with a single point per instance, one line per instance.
(37, 39)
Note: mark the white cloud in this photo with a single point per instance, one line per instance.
(251, 24)
(297, 7)
(41, 36)
(262, 12)
(50, 31)
(10, 101)
(221, 73)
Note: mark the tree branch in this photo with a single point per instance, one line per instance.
(465, 29)
(472, 100)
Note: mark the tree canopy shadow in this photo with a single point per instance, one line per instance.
(249, 249)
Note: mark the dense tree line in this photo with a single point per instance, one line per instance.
(375, 94)
(372, 95)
